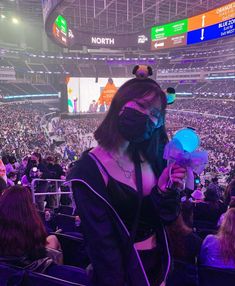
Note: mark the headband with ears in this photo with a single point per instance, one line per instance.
(142, 71)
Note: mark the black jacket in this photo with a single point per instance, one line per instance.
(114, 261)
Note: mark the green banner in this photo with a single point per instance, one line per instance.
(61, 23)
(169, 30)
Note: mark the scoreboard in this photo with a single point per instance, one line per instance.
(214, 24)
(211, 25)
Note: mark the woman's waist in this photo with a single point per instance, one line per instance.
(147, 243)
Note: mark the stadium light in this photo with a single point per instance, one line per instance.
(15, 21)
(3, 16)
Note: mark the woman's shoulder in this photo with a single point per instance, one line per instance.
(211, 240)
(83, 166)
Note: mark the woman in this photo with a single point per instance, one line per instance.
(120, 188)
(207, 213)
(219, 250)
(23, 239)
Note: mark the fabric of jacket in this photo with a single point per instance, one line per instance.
(114, 258)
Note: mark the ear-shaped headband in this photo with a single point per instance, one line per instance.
(142, 71)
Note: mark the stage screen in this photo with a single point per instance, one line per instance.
(91, 94)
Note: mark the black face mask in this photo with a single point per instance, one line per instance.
(34, 162)
(136, 126)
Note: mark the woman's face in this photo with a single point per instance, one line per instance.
(149, 105)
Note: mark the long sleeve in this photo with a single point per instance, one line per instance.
(103, 247)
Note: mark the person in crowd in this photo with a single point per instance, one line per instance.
(229, 193)
(3, 185)
(197, 196)
(215, 186)
(186, 195)
(219, 250)
(207, 213)
(120, 189)
(11, 179)
(229, 199)
(36, 169)
(55, 171)
(23, 239)
(7, 163)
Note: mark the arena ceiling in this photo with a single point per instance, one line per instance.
(114, 16)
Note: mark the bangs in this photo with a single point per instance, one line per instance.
(151, 96)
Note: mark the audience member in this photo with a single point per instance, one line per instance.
(219, 250)
(207, 212)
(23, 239)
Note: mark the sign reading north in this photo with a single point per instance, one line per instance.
(211, 25)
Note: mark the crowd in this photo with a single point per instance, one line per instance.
(206, 106)
(202, 234)
(21, 133)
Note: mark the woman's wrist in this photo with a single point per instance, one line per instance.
(160, 190)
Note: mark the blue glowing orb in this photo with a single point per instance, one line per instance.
(188, 138)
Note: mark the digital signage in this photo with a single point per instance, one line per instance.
(213, 24)
(60, 29)
(210, 25)
(97, 40)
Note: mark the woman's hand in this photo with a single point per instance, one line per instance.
(171, 174)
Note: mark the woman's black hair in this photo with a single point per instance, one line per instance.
(107, 134)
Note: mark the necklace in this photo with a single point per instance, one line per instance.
(127, 173)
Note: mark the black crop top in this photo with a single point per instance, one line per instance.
(124, 200)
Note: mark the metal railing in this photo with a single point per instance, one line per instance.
(57, 192)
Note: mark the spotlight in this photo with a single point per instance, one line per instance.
(15, 21)
(3, 16)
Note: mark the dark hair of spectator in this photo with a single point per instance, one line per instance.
(232, 204)
(226, 236)
(177, 232)
(229, 192)
(21, 230)
(107, 133)
(187, 213)
(38, 155)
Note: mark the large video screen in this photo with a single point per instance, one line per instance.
(60, 29)
(91, 94)
(211, 25)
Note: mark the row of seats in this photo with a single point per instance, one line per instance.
(185, 274)
(57, 275)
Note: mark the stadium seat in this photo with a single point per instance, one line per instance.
(67, 210)
(64, 222)
(73, 248)
(10, 276)
(203, 224)
(204, 232)
(37, 279)
(54, 275)
(183, 274)
(211, 276)
(70, 273)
